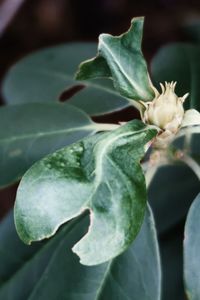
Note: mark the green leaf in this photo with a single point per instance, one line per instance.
(179, 62)
(191, 251)
(171, 208)
(136, 274)
(120, 58)
(101, 173)
(46, 74)
(12, 261)
(54, 271)
(30, 131)
(171, 252)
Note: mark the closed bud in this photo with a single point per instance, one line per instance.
(166, 110)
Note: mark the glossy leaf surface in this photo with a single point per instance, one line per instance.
(101, 173)
(179, 62)
(120, 58)
(30, 131)
(54, 272)
(191, 251)
(45, 75)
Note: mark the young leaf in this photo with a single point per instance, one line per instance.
(44, 76)
(120, 58)
(191, 251)
(101, 173)
(191, 118)
(121, 278)
(38, 130)
(179, 62)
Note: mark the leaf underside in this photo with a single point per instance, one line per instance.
(101, 174)
(120, 58)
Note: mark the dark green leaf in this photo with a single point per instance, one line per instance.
(101, 173)
(13, 253)
(171, 194)
(191, 251)
(171, 252)
(30, 131)
(121, 59)
(136, 274)
(179, 62)
(171, 207)
(45, 75)
(54, 271)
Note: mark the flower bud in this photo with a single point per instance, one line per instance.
(166, 110)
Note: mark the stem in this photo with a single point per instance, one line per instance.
(135, 104)
(187, 140)
(106, 127)
(151, 171)
(192, 129)
(157, 159)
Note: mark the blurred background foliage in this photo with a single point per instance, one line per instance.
(40, 23)
(29, 25)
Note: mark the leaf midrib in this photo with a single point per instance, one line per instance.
(101, 152)
(44, 134)
(132, 83)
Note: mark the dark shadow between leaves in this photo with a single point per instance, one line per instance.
(67, 94)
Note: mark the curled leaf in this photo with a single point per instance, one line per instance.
(120, 58)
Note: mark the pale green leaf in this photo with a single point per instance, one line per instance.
(30, 131)
(54, 272)
(191, 251)
(120, 58)
(100, 173)
(191, 118)
(44, 76)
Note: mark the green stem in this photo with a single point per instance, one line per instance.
(187, 140)
(135, 104)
